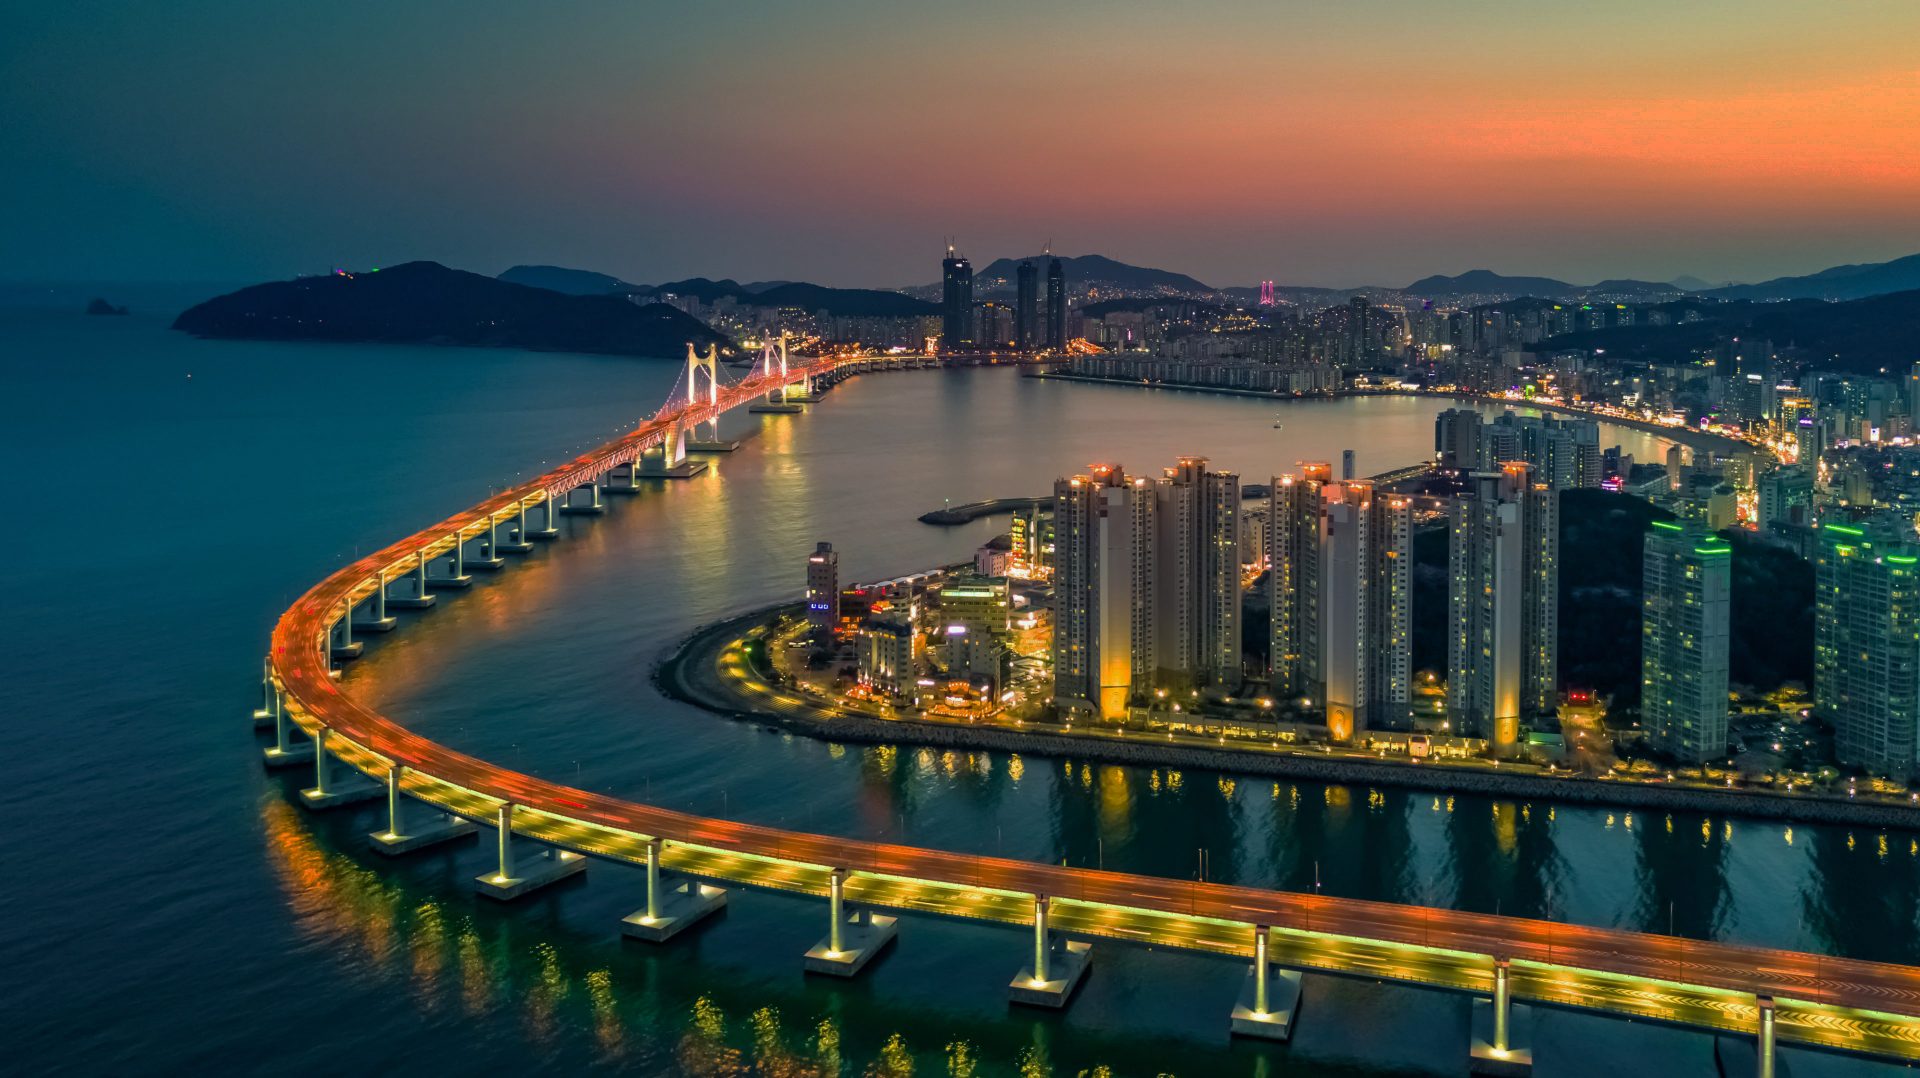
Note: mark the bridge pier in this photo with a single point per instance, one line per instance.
(606, 483)
(1269, 1000)
(552, 508)
(1738, 1057)
(269, 697)
(516, 540)
(852, 941)
(489, 559)
(401, 838)
(592, 508)
(284, 752)
(674, 904)
(421, 597)
(459, 579)
(1057, 968)
(672, 462)
(341, 644)
(325, 793)
(514, 878)
(381, 621)
(1500, 1044)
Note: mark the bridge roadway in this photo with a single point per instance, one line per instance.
(1833, 1003)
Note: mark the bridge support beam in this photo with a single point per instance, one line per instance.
(593, 507)
(327, 792)
(852, 939)
(670, 461)
(285, 751)
(341, 643)
(1738, 1057)
(458, 555)
(674, 904)
(269, 697)
(378, 620)
(516, 540)
(401, 837)
(606, 483)
(551, 509)
(1057, 968)
(1269, 1000)
(421, 597)
(489, 559)
(1501, 1041)
(516, 877)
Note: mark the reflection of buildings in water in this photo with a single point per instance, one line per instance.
(1680, 863)
(1861, 897)
(1501, 857)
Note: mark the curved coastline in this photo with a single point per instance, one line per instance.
(1552, 962)
(686, 674)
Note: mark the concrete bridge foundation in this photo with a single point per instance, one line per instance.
(1500, 1044)
(1057, 968)
(853, 940)
(328, 792)
(674, 904)
(515, 877)
(1269, 1000)
(404, 836)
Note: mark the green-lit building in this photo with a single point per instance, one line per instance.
(1866, 653)
(1685, 607)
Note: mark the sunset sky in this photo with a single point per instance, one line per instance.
(1372, 141)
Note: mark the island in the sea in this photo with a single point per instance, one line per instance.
(101, 306)
(427, 303)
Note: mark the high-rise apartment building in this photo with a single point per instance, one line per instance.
(1146, 585)
(1056, 306)
(1866, 653)
(1503, 604)
(1026, 305)
(1103, 540)
(1341, 598)
(1685, 614)
(1565, 453)
(956, 301)
(823, 590)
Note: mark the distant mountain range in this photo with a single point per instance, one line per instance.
(854, 302)
(427, 303)
(1863, 336)
(1090, 269)
(571, 281)
(1840, 282)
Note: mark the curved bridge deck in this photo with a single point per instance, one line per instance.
(1833, 1003)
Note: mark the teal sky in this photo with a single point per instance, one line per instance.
(1367, 142)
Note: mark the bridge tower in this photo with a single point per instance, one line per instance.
(773, 368)
(702, 435)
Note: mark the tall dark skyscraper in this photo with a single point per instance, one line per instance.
(1026, 305)
(956, 302)
(1056, 306)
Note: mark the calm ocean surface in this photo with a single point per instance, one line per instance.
(168, 909)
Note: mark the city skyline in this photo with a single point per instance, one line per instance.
(1334, 147)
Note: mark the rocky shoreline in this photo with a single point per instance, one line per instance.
(677, 675)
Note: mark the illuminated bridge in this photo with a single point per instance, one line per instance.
(546, 830)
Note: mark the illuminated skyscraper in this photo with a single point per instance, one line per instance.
(1197, 577)
(1056, 306)
(1685, 606)
(1341, 599)
(1103, 539)
(823, 590)
(1866, 648)
(1503, 604)
(956, 301)
(1026, 306)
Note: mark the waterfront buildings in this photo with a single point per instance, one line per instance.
(1866, 659)
(1341, 598)
(956, 301)
(1565, 453)
(885, 653)
(1026, 306)
(1685, 611)
(823, 590)
(1056, 306)
(1146, 585)
(1503, 621)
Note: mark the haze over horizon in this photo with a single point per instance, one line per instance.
(840, 143)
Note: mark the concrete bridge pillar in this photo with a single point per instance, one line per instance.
(343, 645)
(1270, 999)
(852, 942)
(490, 558)
(519, 876)
(263, 715)
(673, 905)
(421, 597)
(1764, 1065)
(284, 752)
(327, 793)
(1057, 968)
(380, 621)
(401, 837)
(1501, 1042)
(458, 556)
(516, 540)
